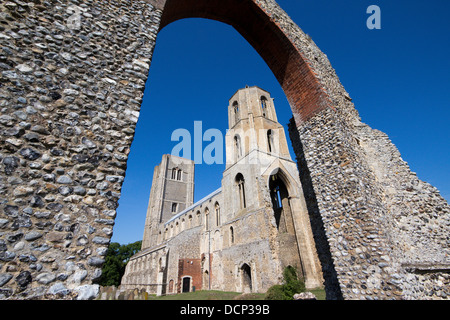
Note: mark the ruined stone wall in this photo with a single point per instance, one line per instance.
(70, 96)
(417, 220)
(254, 242)
(368, 210)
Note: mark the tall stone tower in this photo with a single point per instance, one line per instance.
(253, 126)
(254, 142)
(172, 191)
(258, 159)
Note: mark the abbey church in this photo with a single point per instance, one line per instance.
(241, 236)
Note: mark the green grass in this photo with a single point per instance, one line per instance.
(319, 293)
(223, 295)
(210, 295)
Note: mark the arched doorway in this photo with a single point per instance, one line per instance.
(300, 84)
(205, 284)
(246, 278)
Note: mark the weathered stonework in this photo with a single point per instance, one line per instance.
(70, 96)
(240, 237)
(70, 100)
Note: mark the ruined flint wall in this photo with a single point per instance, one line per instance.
(70, 96)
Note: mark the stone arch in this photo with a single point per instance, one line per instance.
(285, 178)
(252, 20)
(115, 71)
(291, 216)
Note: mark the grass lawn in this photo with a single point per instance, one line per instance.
(319, 293)
(222, 295)
(210, 295)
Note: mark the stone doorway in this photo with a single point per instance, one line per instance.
(246, 278)
(186, 284)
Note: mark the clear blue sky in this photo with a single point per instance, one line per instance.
(398, 78)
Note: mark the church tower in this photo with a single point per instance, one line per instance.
(254, 142)
(253, 126)
(260, 172)
(172, 191)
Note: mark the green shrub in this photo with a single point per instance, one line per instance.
(275, 292)
(291, 285)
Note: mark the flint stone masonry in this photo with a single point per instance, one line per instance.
(72, 79)
(69, 103)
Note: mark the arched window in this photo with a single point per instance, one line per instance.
(236, 112)
(171, 286)
(270, 140)
(206, 218)
(241, 190)
(264, 106)
(237, 147)
(205, 280)
(231, 235)
(217, 209)
(179, 174)
(174, 207)
(174, 173)
(199, 222)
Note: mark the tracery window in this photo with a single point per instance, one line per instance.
(217, 209)
(264, 106)
(236, 112)
(241, 190)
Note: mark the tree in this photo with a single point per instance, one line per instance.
(291, 285)
(116, 260)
